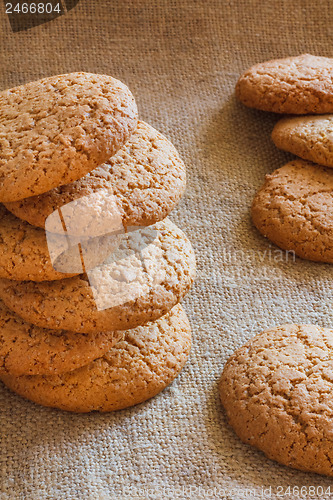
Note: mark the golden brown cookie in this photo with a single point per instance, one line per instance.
(134, 370)
(277, 394)
(310, 137)
(146, 178)
(150, 273)
(24, 253)
(294, 209)
(295, 85)
(26, 349)
(56, 130)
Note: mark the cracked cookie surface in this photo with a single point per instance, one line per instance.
(146, 178)
(294, 209)
(310, 137)
(277, 394)
(55, 130)
(24, 253)
(134, 370)
(295, 85)
(129, 289)
(27, 349)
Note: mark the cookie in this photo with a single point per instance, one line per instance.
(26, 349)
(146, 178)
(134, 370)
(294, 209)
(24, 253)
(295, 85)
(310, 137)
(149, 274)
(277, 394)
(56, 130)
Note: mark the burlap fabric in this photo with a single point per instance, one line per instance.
(181, 59)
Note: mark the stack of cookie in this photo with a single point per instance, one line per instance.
(294, 208)
(91, 270)
(277, 389)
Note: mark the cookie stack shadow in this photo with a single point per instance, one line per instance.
(92, 270)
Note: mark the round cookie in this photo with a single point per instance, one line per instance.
(310, 137)
(24, 253)
(26, 349)
(295, 85)
(277, 394)
(294, 209)
(134, 370)
(122, 293)
(146, 177)
(54, 131)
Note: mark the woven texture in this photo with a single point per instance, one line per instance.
(181, 60)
